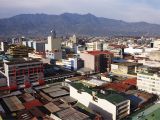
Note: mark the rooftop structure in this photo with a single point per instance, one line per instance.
(125, 68)
(20, 51)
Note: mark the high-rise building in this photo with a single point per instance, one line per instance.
(99, 61)
(148, 82)
(53, 47)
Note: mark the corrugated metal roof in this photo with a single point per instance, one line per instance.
(33, 103)
(13, 103)
(52, 107)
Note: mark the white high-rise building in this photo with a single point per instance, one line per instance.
(148, 82)
(53, 47)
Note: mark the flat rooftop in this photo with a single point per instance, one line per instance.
(128, 64)
(109, 95)
(22, 60)
(99, 52)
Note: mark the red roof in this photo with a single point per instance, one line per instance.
(31, 104)
(131, 81)
(118, 87)
(99, 52)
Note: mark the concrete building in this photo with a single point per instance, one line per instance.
(53, 47)
(94, 46)
(73, 63)
(98, 61)
(38, 46)
(148, 82)
(22, 73)
(132, 50)
(155, 44)
(4, 46)
(20, 50)
(125, 68)
(154, 55)
(111, 106)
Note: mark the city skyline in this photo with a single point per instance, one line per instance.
(131, 11)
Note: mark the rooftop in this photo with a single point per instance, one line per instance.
(128, 64)
(21, 60)
(72, 114)
(109, 95)
(99, 52)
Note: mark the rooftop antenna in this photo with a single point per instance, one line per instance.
(53, 33)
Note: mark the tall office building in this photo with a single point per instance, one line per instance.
(53, 47)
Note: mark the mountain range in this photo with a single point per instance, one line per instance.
(69, 23)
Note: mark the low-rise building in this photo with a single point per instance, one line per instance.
(125, 68)
(110, 105)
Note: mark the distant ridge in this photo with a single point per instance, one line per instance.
(70, 23)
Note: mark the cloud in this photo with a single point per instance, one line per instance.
(128, 10)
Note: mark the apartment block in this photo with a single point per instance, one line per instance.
(98, 61)
(149, 82)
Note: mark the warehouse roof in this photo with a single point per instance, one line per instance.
(71, 114)
(52, 107)
(13, 103)
(33, 103)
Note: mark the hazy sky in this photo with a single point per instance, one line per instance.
(128, 10)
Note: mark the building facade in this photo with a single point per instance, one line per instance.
(110, 110)
(23, 73)
(99, 61)
(148, 82)
(53, 47)
(73, 63)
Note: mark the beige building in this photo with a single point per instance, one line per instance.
(94, 46)
(125, 68)
(98, 61)
(154, 55)
(53, 47)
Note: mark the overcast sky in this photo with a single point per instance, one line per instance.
(128, 10)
